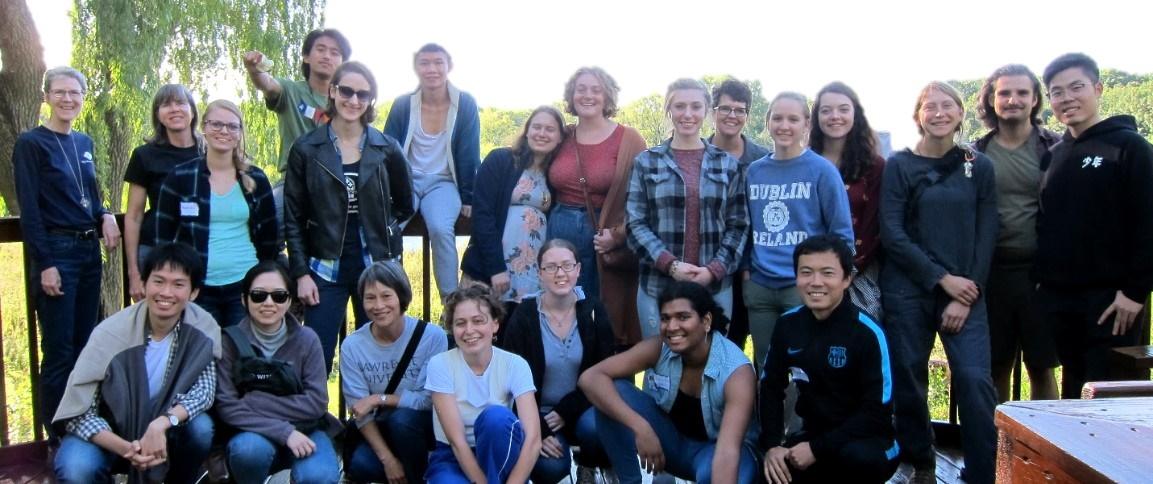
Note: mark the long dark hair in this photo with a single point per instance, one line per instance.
(521, 151)
(860, 154)
(985, 110)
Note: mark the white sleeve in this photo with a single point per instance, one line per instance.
(438, 378)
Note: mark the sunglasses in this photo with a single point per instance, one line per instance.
(347, 93)
(258, 296)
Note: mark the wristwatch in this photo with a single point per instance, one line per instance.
(172, 420)
(384, 399)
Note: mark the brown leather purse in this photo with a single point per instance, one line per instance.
(619, 259)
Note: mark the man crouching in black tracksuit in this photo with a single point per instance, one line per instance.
(839, 358)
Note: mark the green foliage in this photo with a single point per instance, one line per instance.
(129, 48)
(646, 115)
(500, 127)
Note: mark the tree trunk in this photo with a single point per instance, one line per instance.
(119, 137)
(20, 93)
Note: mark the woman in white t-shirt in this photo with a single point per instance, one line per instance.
(473, 389)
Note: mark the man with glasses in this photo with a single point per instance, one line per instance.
(731, 102)
(1009, 104)
(1094, 258)
(438, 127)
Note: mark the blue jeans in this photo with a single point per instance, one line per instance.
(571, 223)
(408, 434)
(223, 303)
(66, 320)
(912, 318)
(765, 306)
(499, 438)
(81, 461)
(650, 314)
(684, 457)
(438, 201)
(328, 317)
(555, 469)
(252, 457)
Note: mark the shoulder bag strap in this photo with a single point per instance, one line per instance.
(243, 346)
(406, 358)
(584, 185)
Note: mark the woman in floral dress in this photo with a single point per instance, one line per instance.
(512, 197)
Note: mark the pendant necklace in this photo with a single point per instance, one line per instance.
(77, 174)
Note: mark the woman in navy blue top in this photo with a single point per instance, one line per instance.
(62, 215)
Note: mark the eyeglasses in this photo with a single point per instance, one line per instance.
(347, 93)
(727, 110)
(552, 268)
(258, 296)
(61, 93)
(218, 126)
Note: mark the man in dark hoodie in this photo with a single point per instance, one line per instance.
(1094, 259)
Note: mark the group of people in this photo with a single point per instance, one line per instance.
(592, 258)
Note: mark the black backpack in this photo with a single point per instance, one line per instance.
(257, 373)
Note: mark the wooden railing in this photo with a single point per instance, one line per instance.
(10, 232)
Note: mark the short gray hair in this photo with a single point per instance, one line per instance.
(389, 274)
(64, 71)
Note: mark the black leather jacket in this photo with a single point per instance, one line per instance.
(316, 200)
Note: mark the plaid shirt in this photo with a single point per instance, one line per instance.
(196, 401)
(183, 210)
(656, 213)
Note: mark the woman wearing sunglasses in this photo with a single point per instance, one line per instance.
(221, 205)
(346, 190)
(276, 430)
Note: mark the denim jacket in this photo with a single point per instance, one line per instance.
(662, 381)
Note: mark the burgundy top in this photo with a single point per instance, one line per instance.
(689, 162)
(600, 161)
(864, 204)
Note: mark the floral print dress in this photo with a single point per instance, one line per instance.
(524, 234)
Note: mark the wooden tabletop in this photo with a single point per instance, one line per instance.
(1104, 440)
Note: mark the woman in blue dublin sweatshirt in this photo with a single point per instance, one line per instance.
(793, 193)
(939, 226)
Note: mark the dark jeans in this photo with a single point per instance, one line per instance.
(223, 303)
(1083, 346)
(572, 224)
(330, 315)
(408, 434)
(912, 318)
(82, 461)
(550, 470)
(684, 457)
(66, 320)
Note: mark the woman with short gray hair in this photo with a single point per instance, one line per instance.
(63, 217)
(393, 415)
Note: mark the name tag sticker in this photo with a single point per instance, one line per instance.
(660, 382)
(189, 209)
